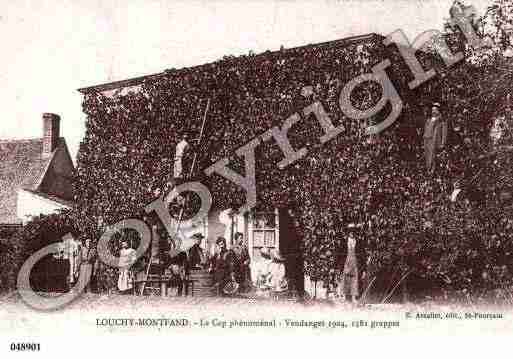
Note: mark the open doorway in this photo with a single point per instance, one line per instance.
(290, 248)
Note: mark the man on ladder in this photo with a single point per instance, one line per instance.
(179, 155)
(179, 176)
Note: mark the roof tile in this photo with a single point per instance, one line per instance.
(21, 166)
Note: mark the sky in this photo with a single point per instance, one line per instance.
(52, 48)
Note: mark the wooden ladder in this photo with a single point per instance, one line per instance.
(151, 262)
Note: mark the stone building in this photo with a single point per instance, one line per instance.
(35, 175)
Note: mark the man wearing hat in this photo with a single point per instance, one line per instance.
(435, 136)
(196, 256)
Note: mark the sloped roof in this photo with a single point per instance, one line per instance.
(136, 81)
(52, 198)
(21, 166)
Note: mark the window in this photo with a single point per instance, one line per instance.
(263, 232)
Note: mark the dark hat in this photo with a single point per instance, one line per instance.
(351, 227)
(198, 236)
(220, 239)
(354, 227)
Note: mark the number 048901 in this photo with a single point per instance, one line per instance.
(25, 347)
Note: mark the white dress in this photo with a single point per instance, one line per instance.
(270, 275)
(277, 280)
(126, 259)
(262, 272)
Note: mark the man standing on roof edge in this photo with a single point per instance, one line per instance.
(435, 136)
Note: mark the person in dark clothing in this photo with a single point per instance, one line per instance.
(435, 136)
(243, 273)
(179, 270)
(351, 261)
(196, 255)
(223, 265)
(177, 263)
(88, 258)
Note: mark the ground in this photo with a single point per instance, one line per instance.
(90, 314)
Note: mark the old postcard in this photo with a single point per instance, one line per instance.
(209, 170)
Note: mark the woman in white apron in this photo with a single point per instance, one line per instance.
(262, 270)
(126, 259)
(278, 280)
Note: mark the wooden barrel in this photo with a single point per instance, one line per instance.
(203, 283)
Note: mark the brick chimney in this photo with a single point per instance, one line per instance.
(51, 129)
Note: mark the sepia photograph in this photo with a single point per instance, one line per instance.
(315, 169)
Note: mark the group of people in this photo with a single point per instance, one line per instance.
(230, 268)
(377, 180)
(268, 90)
(232, 273)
